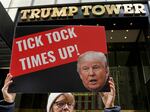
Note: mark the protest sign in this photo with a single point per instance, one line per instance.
(44, 58)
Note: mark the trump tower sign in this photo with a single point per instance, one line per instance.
(44, 58)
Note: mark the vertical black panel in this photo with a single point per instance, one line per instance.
(6, 26)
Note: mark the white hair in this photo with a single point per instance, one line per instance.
(92, 55)
(52, 97)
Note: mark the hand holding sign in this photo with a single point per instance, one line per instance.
(8, 97)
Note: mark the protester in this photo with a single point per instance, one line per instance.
(93, 70)
(57, 102)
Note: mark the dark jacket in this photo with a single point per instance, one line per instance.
(6, 107)
(9, 107)
(114, 109)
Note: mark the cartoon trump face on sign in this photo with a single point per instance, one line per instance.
(93, 70)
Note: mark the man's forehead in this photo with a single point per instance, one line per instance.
(91, 60)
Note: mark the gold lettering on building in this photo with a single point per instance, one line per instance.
(45, 12)
(24, 14)
(59, 13)
(139, 9)
(72, 10)
(35, 14)
(113, 9)
(85, 10)
(128, 8)
(98, 10)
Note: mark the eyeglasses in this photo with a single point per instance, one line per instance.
(61, 104)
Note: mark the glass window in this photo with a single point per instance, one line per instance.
(119, 0)
(43, 2)
(20, 3)
(67, 1)
(93, 0)
(5, 3)
(12, 13)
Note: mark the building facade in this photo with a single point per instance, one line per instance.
(128, 43)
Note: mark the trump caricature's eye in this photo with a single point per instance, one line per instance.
(96, 67)
(85, 68)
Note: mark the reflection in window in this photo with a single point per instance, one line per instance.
(12, 13)
(5, 3)
(20, 3)
(119, 0)
(67, 1)
(43, 2)
(93, 0)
